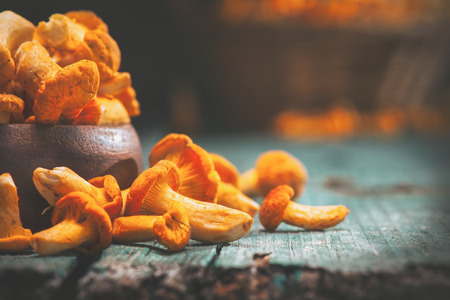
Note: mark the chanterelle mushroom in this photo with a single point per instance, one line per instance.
(7, 67)
(228, 194)
(274, 168)
(54, 184)
(119, 87)
(60, 93)
(154, 191)
(78, 223)
(103, 111)
(277, 208)
(13, 237)
(198, 178)
(14, 30)
(171, 229)
(9, 104)
(60, 32)
(74, 41)
(88, 19)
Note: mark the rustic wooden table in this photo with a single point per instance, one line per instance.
(394, 244)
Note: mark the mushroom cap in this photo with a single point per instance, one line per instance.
(87, 19)
(63, 96)
(60, 33)
(33, 67)
(113, 193)
(163, 172)
(83, 207)
(198, 178)
(277, 167)
(90, 114)
(120, 87)
(11, 103)
(101, 48)
(172, 230)
(14, 30)
(7, 66)
(227, 171)
(13, 237)
(274, 205)
(128, 98)
(103, 111)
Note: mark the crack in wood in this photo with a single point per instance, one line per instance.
(68, 289)
(215, 257)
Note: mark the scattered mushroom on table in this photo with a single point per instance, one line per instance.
(154, 191)
(198, 178)
(274, 168)
(58, 182)
(78, 223)
(228, 194)
(277, 207)
(170, 229)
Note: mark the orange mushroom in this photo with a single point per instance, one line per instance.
(33, 67)
(227, 170)
(101, 48)
(59, 93)
(228, 194)
(103, 111)
(112, 202)
(154, 191)
(9, 105)
(54, 184)
(14, 30)
(80, 37)
(13, 237)
(119, 87)
(274, 168)
(277, 208)
(7, 67)
(78, 223)
(60, 32)
(61, 98)
(88, 19)
(171, 229)
(198, 178)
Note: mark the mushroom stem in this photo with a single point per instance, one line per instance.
(53, 184)
(134, 229)
(229, 196)
(65, 235)
(314, 217)
(171, 229)
(277, 207)
(210, 222)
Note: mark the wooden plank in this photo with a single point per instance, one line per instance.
(398, 227)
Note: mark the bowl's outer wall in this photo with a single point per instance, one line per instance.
(90, 151)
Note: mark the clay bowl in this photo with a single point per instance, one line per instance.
(90, 151)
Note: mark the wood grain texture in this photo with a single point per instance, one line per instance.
(394, 243)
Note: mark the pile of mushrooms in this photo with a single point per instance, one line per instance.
(64, 71)
(186, 193)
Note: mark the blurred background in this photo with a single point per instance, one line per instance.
(299, 68)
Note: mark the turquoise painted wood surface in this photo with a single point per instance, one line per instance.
(397, 191)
